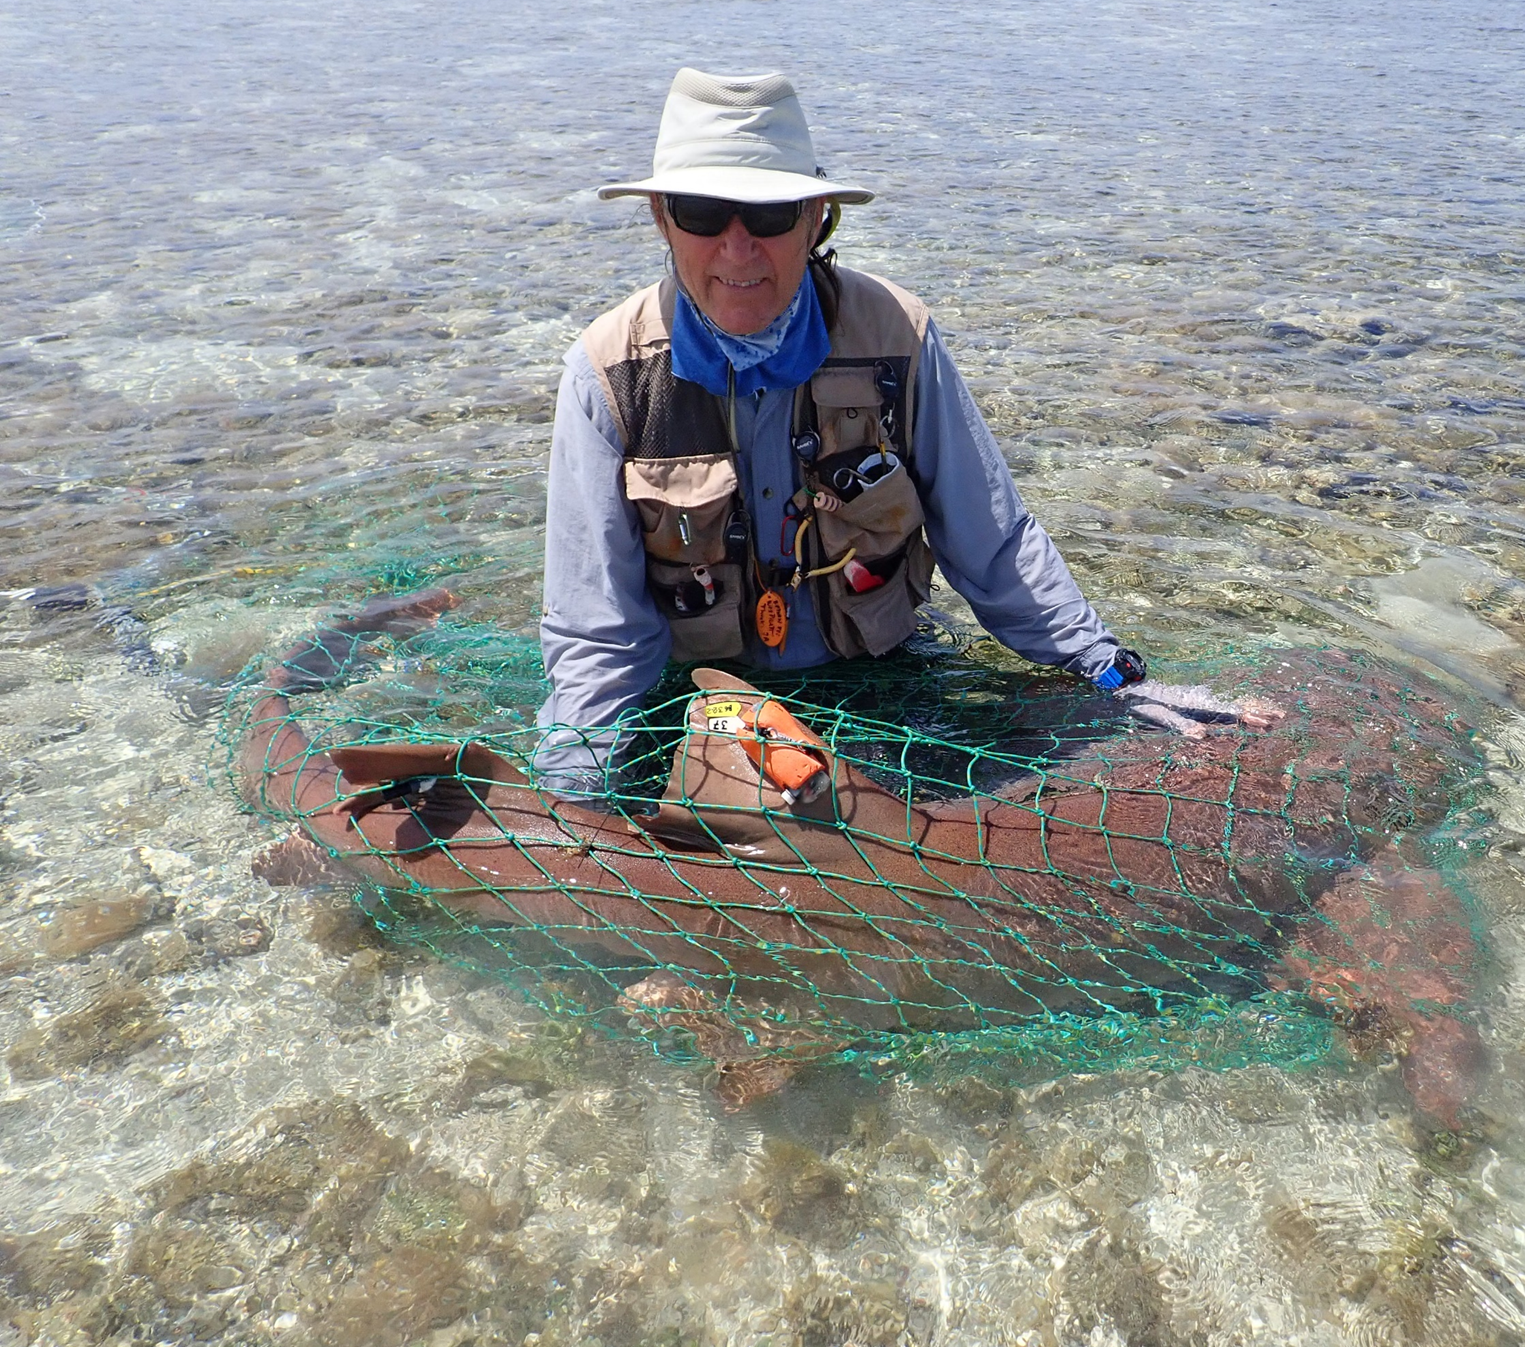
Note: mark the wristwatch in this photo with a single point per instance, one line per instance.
(1127, 667)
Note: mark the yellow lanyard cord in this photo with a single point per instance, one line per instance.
(800, 574)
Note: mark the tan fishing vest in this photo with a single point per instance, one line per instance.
(680, 472)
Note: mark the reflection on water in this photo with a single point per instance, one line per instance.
(285, 294)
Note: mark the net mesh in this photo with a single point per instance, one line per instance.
(1005, 875)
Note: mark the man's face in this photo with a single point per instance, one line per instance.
(741, 283)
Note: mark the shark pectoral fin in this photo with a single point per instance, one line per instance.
(480, 763)
(366, 765)
(1391, 953)
(399, 614)
(298, 862)
(1444, 1061)
(336, 647)
(740, 1083)
(451, 782)
(376, 764)
(755, 1050)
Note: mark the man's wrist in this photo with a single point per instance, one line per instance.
(1127, 667)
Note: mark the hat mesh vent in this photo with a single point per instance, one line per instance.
(733, 91)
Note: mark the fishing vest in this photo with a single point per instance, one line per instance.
(859, 542)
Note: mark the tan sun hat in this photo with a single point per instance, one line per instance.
(740, 137)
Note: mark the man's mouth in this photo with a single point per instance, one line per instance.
(740, 285)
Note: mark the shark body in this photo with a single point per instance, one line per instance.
(1167, 866)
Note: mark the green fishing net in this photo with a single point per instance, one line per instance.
(1129, 957)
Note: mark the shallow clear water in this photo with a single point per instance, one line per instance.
(283, 294)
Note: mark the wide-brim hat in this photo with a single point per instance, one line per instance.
(740, 137)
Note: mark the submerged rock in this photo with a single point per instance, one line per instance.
(1013, 1170)
(185, 1261)
(795, 1190)
(861, 1313)
(598, 1139)
(51, 1279)
(492, 1078)
(121, 1021)
(154, 954)
(1106, 1173)
(331, 1151)
(1115, 1292)
(338, 925)
(59, 1260)
(975, 1100)
(430, 1208)
(78, 930)
(317, 1220)
(395, 1298)
(361, 989)
(917, 1150)
(233, 936)
(71, 932)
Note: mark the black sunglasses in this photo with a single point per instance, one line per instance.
(709, 216)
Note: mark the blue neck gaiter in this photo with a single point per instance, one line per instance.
(783, 355)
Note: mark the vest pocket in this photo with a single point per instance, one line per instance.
(700, 630)
(847, 410)
(883, 525)
(879, 619)
(684, 504)
(877, 521)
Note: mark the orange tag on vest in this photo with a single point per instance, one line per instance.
(772, 618)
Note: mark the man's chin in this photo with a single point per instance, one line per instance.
(742, 312)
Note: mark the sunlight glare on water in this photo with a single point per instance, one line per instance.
(285, 293)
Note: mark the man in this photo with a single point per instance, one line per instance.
(761, 457)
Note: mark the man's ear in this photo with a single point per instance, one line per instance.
(828, 214)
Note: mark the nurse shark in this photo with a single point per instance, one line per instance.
(791, 900)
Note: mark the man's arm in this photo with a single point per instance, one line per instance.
(603, 641)
(989, 547)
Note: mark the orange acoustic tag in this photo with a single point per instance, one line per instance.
(784, 752)
(772, 618)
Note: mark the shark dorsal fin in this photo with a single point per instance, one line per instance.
(716, 680)
(717, 798)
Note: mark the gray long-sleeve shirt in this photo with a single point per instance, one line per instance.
(604, 641)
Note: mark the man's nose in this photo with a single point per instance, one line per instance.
(736, 242)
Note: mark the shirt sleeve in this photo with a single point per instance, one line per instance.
(990, 549)
(602, 639)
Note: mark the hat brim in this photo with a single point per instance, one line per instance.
(753, 185)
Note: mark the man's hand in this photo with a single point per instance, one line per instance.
(1190, 710)
(1186, 710)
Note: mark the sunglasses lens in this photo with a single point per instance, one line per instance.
(770, 219)
(703, 215)
(708, 216)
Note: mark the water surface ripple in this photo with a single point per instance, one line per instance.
(283, 296)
